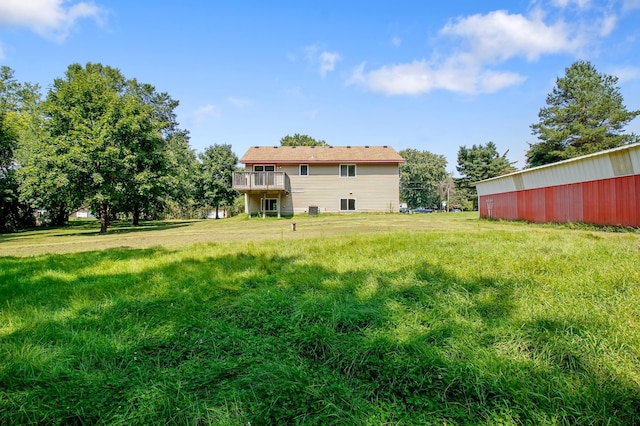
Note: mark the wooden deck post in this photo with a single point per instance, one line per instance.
(278, 205)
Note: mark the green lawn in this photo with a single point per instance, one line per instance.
(363, 319)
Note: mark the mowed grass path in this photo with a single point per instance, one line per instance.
(363, 319)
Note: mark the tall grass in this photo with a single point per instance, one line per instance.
(400, 320)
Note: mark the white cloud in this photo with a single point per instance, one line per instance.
(582, 4)
(240, 102)
(50, 18)
(328, 62)
(205, 112)
(492, 81)
(627, 74)
(484, 42)
(499, 36)
(324, 60)
(418, 77)
(608, 25)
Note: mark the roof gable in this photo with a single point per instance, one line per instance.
(320, 154)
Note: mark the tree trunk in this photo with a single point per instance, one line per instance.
(217, 212)
(136, 214)
(104, 217)
(59, 218)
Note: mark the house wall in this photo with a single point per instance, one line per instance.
(376, 188)
(254, 203)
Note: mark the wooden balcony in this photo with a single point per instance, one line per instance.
(255, 182)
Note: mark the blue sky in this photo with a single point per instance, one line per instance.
(428, 75)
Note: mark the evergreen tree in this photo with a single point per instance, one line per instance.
(584, 114)
(478, 163)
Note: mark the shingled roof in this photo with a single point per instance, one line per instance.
(320, 154)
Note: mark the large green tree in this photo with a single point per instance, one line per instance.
(102, 144)
(90, 121)
(478, 163)
(584, 114)
(301, 140)
(420, 177)
(217, 164)
(182, 181)
(147, 139)
(18, 102)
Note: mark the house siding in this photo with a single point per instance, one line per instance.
(375, 188)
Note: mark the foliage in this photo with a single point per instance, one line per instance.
(102, 142)
(443, 320)
(453, 197)
(301, 140)
(478, 163)
(16, 102)
(420, 177)
(182, 179)
(584, 114)
(151, 148)
(14, 213)
(82, 154)
(217, 164)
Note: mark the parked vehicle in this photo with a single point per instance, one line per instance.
(422, 210)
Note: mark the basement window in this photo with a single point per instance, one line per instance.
(347, 204)
(269, 204)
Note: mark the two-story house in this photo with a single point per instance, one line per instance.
(287, 180)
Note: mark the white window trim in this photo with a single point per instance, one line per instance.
(355, 204)
(355, 170)
(300, 170)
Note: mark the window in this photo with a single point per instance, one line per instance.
(267, 168)
(269, 204)
(347, 204)
(347, 170)
(304, 170)
(263, 178)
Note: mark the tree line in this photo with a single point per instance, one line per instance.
(101, 141)
(113, 145)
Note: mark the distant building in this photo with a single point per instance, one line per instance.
(601, 189)
(287, 180)
(82, 213)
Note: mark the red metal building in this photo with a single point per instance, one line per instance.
(601, 188)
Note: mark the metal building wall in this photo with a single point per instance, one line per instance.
(602, 188)
(613, 202)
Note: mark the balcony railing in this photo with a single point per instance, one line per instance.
(261, 181)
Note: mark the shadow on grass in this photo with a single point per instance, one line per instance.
(266, 339)
(121, 227)
(85, 228)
